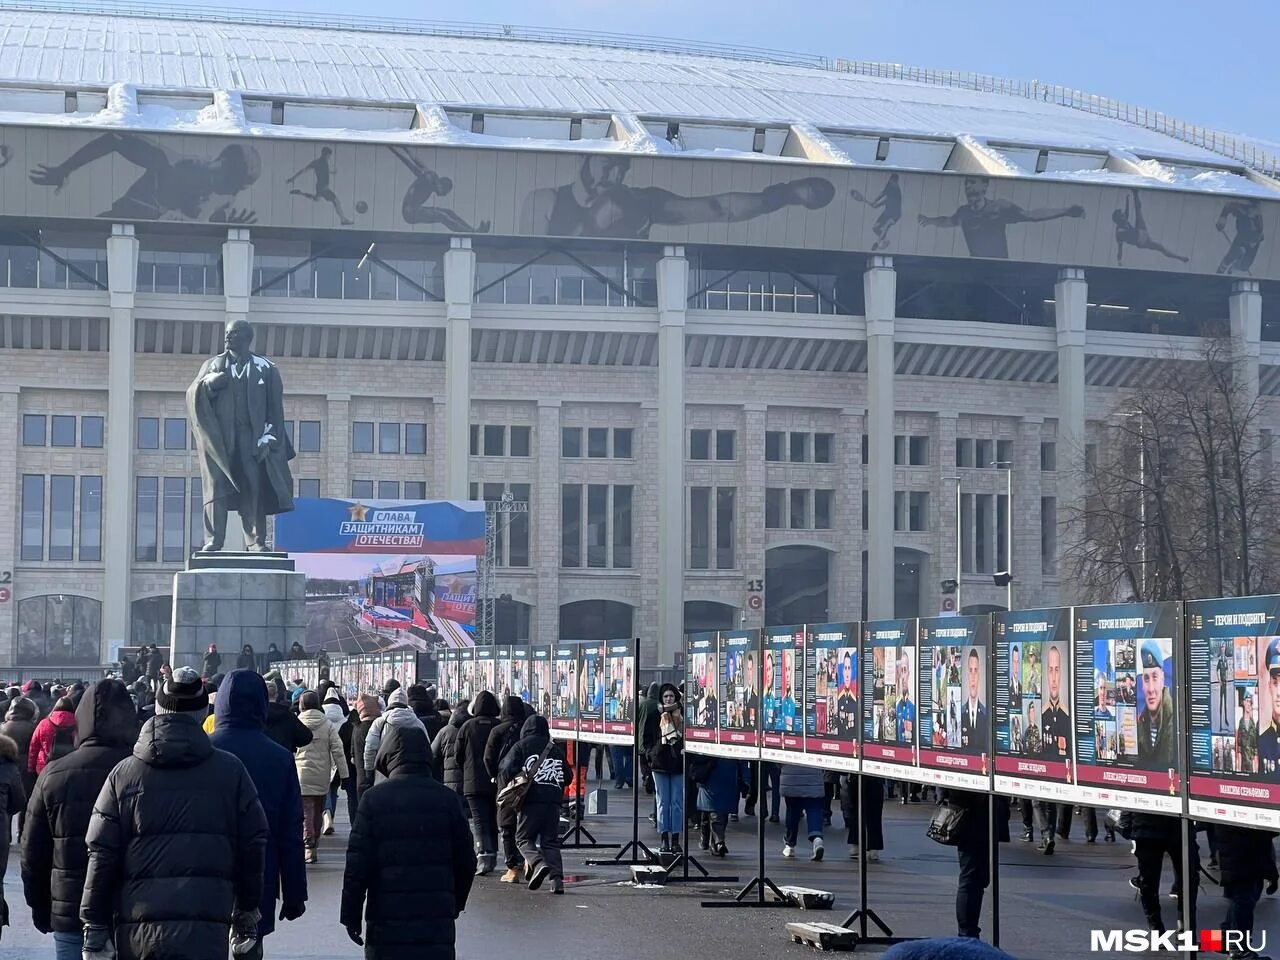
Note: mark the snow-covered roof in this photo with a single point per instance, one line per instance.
(94, 50)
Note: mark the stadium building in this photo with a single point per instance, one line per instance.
(731, 322)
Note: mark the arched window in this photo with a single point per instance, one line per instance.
(705, 615)
(596, 620)
(511, 620)
(152, 619)
(59, 628)
(795, 585)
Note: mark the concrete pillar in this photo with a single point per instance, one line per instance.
(459, 285)
(1070, 309)
(237, 274)
(10, 514)
(880, 293)
(545, 625)
(1245, 311)
(945, 505)
(337, 440)
(117, 507)
(751, 532)
(1028, 567)
(673, 292)
(844, 596)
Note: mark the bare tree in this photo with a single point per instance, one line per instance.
(1178, 502)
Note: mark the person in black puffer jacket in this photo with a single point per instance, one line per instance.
(20, 725)
(973, 848)
(1246, 861)
(54, 855)
(405, 885)
(283, 725)
(176, 842)
(477, 784)
(13, 798)
(367, 711)
(423, 706)
(445, 749)
(538, 823)
(1154, 836)
(501, 739)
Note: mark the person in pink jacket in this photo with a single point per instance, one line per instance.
(55, 736)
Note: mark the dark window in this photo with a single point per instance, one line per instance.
(699, 444)
(495, 441)
(622, 527)
(388, 489)
(362, 436)
(699, 528)
(518, 529)
(175, 433)
(63, 432)
(773, 444)
(824, 447)
(918, 451)
(570, 442)
(799, 448)
(725, 442)
(622, 443)
(362, 489)
(175, 519)
(415, 490)
(1004, 452)
(195, 512)
(571, 525)
(388, 438)
(866, 450)
(725, 524)
(474, 446)
(520, 437)
(146, 518)
(964, 452)
(90, 519)
(148, 433)
(1049, 535)
(597, 442)
(799, 510)
(91, 432)
(917, 511)
(415, 438)
(774, 507)
(823, 509)
(308, 436)
(32, 517)
(59, 628)
(33, 429)
(597, 525)
(308, 488)
(62, 505)
(984, 453)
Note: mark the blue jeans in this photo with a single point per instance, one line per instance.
(670, 796)
(621, 765)
(67, 946)
(808, 807)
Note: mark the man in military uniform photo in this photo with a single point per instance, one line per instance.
(1055, 721)
(1247, 737)
(1155, 723)
(1269, 742)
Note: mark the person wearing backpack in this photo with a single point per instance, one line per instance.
(55, 736)
(502, 738)
(543, 762)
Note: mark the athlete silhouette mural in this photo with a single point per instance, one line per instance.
(1134, 232)
(6, 154)
(889, 203)
(1247, 237)
(321, 168)
(599, 203)
(171, 187)
(417, 205)
(984, 222)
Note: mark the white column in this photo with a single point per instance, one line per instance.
(751, 532)
(337, 441)
(844, 598)
(237, 273)
(10, 514)
(673, 292)
(546, 517)
(880, 293)
(117, 513)
(1070, 310)
(459, 284)
(1245, 310)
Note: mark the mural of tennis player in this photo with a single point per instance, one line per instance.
(1134, 232)
(322, 169)
(1248, 235)
(984, 221)
(171, 187)
(600, 204)
(417, 206)
(889, 203)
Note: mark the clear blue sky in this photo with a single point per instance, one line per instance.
(1210, 63)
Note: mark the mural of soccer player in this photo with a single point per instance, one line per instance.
(1134, 232)
(321, 168)
(984, 221)
(417, 205)
(171, 187)
(889, 203)
(599, 203)
(1247, 237)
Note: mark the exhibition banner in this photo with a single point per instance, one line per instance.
(1127, 682)
(701, 705)
(1035, 741)
(542, 690)
(955, 697)
(782, 709)
(889, 720)
(564, 712)
(447, 676)
(466, 659)
(502, 673)
(1234, 663)
(591, 689)
(620, 692)
(486, 670)
(739, 694)
(520, 672)
(831, 716)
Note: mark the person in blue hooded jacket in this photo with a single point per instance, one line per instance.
(240, 714)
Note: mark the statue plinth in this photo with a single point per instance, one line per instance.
(240, 560)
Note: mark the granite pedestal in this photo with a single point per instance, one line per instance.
(233, 599)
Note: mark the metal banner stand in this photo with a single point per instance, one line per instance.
(760, 881)
(684, 858)
(864, 912)
(993, 824)
(572, 838)
(640, 854)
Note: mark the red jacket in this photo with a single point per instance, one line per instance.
(42, 741)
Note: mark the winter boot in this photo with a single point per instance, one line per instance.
(666, 843)
(675, 843)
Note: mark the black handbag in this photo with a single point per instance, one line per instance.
(945, 824)
(512, 795)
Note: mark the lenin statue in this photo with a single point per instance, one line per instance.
(236, 408)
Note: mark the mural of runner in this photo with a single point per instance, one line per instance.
(984, 221)
(1247, 237)
(322, 169)
(1134, 232)
(171, 187)
(889, 203)
(600, 203)
(417, 206)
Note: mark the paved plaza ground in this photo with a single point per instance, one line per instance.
(1047, 904)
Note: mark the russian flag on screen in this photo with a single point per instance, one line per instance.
(332, 525)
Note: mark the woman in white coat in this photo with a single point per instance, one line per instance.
(316, 763)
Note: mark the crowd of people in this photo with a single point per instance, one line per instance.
(168, 817)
